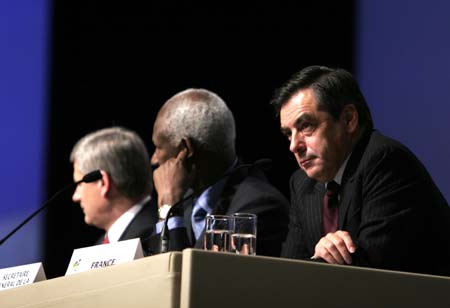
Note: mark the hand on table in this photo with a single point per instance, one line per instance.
(335, 248)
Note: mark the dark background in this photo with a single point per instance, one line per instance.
(116, 64)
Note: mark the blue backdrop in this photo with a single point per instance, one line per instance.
(24, 34)
(403, 65)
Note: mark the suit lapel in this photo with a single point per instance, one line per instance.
(223, 203)
(346, 193)
(315, 212)
(310, 202)
(188, 205)
(348, 179)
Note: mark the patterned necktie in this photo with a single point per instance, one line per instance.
(198, 221)
(198, 216)
(330, 208)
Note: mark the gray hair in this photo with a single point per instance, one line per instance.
(204, 117)
(121, 153)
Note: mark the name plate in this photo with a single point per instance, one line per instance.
(86, 259)
(17, 276)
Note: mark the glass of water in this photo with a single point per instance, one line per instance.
(243, 234)
(217, 233)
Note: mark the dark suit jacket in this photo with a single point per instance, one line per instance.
(142, 225)
(389, 204)
(245, 191)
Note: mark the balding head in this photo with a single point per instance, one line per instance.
(200, 115)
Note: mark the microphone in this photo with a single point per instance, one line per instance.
(164, 236)
(88, 178)
(263, 164)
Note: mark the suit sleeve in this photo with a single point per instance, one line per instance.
(395, 192)
(177, 241)
(271, 207)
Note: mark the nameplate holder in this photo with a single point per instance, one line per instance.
(18, 276)
(99, 256)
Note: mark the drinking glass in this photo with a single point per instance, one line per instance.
(217, 233)
(243, 234)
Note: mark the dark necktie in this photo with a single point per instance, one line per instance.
(330, 208)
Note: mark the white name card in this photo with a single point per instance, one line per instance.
(86, 259)
(17, 276)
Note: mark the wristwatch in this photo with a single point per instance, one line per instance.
(163, 211)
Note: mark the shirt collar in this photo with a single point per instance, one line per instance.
(119, 226)
(340, 173)
(207, 199)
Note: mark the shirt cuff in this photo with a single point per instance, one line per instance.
(173, 223)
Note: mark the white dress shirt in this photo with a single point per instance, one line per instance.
(119, 226)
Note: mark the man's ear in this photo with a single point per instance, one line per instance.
(349, 116)
(105, 183)
(188, 146)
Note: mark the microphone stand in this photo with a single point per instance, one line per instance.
(164, 244)
(90, 177)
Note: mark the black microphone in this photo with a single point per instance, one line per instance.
(263, 164)
(88, 178)
(164, 236)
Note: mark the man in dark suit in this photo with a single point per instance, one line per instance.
(194, 137)
(120, 201)
(381, 208)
